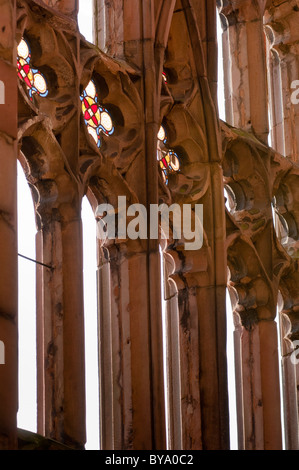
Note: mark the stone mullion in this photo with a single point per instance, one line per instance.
(8, 292)
(152, 60)
(226, 75)
(49, 332)
(270, 384)
(203, 391)
(256, 347)
(249, 397)
(139, 39)
(289, 383)
(189, 342)
(201, 281)
(246, 74)
(173, 373)
(122, 400)
(61, 380)
(115, 363)
(260, 386)
(276, 104)
(8, 229)
(237, 335)
(130, 35)
(136, 351)
(290, 73)
(282, 30)
(252, 390)
(73, 323)
(108, 27)
(127, 327)
(105, 351)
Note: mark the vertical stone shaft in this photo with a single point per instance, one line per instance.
(245, 68)
(60, 327)
(60, 315)
(289, 384)
(125, 352)
(8, 229)
(203, 368)
(173, 367)
(205, 11)
(200, 277)
(136, 318)
(238, 379)
(105, 351)
(261, 395)
(109, 27)
(282, 32)
(276, 104)
(270, 385)
(152, 78)
(202, 334)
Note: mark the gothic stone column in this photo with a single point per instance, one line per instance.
(60, 326)
(128, 418)
(8, 227)
(282, 32)
(245, 66)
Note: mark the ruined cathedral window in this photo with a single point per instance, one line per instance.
(168, 159)
(96, 117)
(33, 78)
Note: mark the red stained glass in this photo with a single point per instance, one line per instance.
(97, 118)
(33, 78)
(168, 159)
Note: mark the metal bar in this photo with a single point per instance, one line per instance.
(37, 262)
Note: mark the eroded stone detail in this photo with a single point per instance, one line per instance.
(250, 199)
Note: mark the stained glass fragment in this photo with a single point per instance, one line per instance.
(96, 117)
(168, 159)
(33, 78)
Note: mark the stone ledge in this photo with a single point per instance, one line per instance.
(30, 441)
